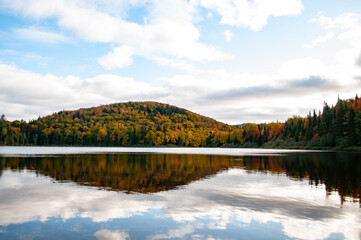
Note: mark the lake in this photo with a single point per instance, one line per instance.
(178, 193)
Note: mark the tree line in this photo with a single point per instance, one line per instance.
(146, 173)
(157, 124)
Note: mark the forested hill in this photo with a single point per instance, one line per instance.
(131, 123)
(157, 124)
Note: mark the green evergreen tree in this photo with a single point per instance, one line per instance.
(340, 119)
(309, 127)
(351, 127)
(358, 126)
(3, 130)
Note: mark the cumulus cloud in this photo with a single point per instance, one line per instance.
(118, 58)
(232, 102)
(347, 25)
(245, 97)
(344, 21)
(319, 40)
(170, 30)
(252, 14)
(170, 37)
(347, 28)
(37, 94)
(219, 94)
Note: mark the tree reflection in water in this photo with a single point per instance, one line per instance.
(149, 173)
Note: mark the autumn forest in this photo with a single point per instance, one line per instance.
(157, 124)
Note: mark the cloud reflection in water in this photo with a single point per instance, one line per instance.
(229, 199)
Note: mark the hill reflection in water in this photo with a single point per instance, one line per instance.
(149, 173)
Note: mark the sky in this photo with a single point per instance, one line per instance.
(236, 61)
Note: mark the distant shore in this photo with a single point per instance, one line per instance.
(233, 146)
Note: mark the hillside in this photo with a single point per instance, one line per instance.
(157, 124)
(131, 123)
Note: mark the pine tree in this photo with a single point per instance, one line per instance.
(326, 120)
(339, 121)
(3, 129)
(358, 126)
(351, 128)
(309, 127)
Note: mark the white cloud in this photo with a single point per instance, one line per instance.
(106, 234)
(231, 97)
(169, 32)
(299, 86)
(170, 37)
(228, 35)
(319, 40)
(92, 25)
(347, 25)
(34, 34)
(303, 68)
(252, 14)
(118, 58)
(113, 87)
(358, 60)
(35, 94)
(325, 22)
(347, 20)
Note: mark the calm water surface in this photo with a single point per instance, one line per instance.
(155, 193)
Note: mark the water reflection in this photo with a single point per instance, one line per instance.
(222, 197)
(339, 171)
(147, 173)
